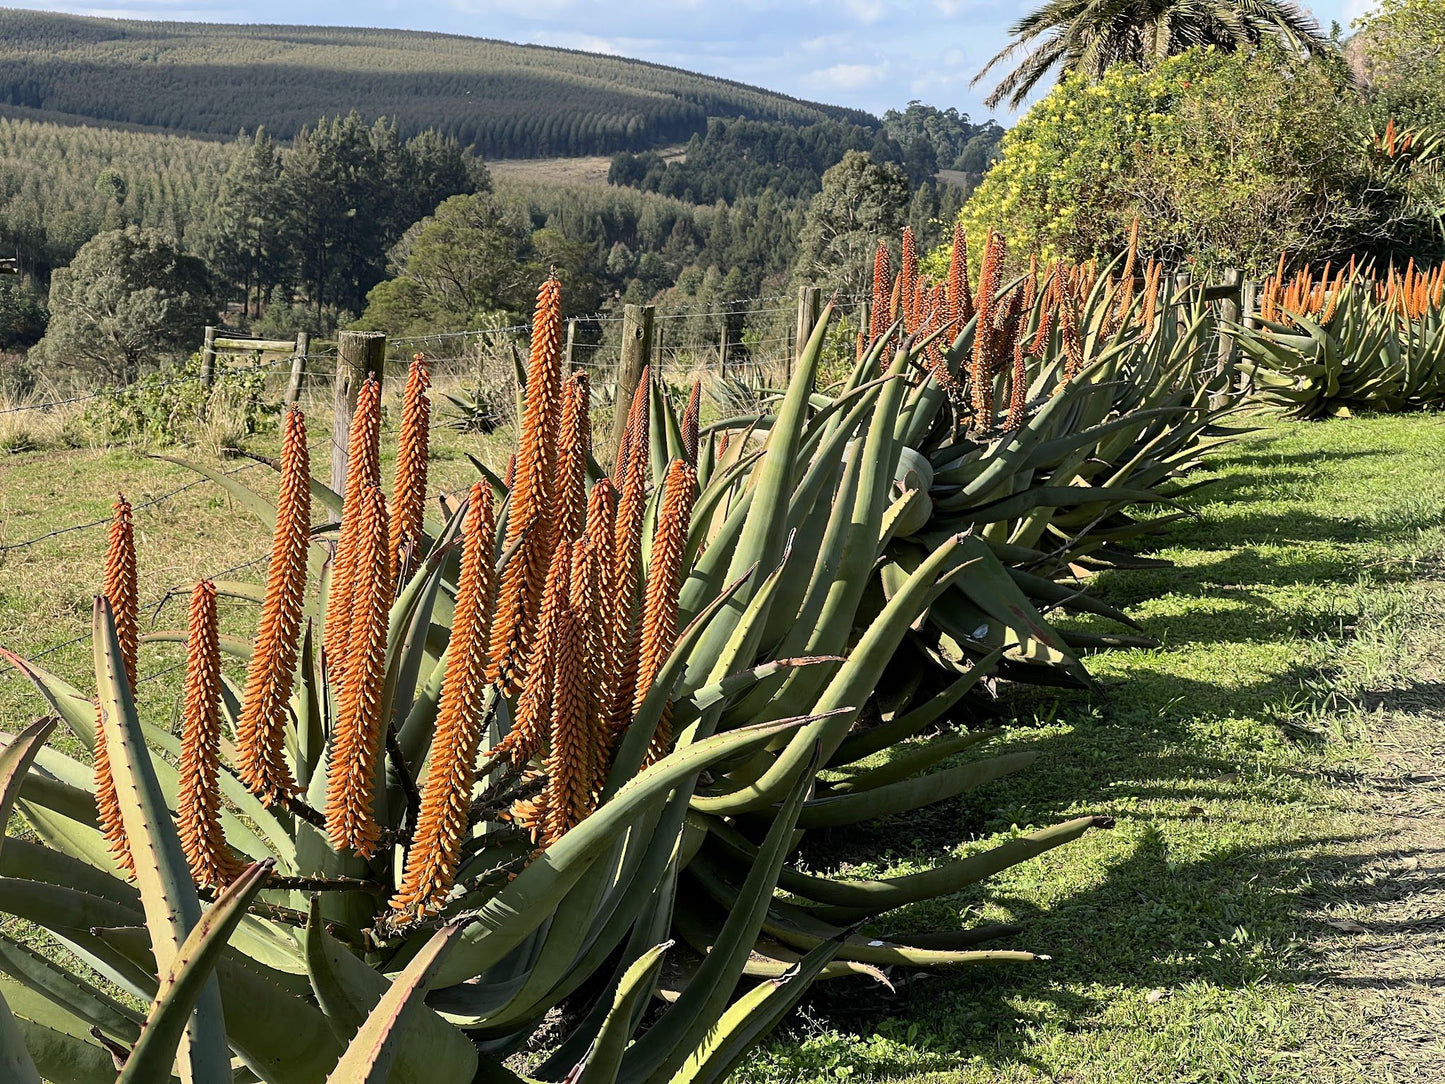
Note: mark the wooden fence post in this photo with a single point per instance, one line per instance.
(357, 354)
(723, 343)
(208, 358)
(1229, 306)
(636, 352)
(1249, 317)
(570, 349)
(1249, 303)
(298, 367)
(1182, 283)
(810, 303)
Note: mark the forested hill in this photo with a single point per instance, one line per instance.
(500, 99)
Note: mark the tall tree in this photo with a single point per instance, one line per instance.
(861, 201)
(351, 190)
(1399, 54)
(129, 295)
(332, 178)
(244, 240)
(1089, 36)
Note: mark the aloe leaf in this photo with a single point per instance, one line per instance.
(73, 707)
(263, 509)
(499, 491)
(605, 1057)
(25, 860)
(843, 901)
(188, 978)
(48, 979)
(700, 922)
(348, 990)
(910, 760)
(765, 531)
(282, 1037)
(406, 644)
(566, 937)
(306, 703)
(847, 902)
(850, 687)
(751, 1017)
(233, 646)
(369, 1058)
(849, 549)
(802, 929)
(16, 1037)
(857, 746)
(15, 760)
(720, 691)
(638, 901)
(508, 917)
(64, 818)
(834, 811)
(72, 915)
(664, 1047)
(168, 895)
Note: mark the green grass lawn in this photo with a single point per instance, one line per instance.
(46, 588)
(1269, 905)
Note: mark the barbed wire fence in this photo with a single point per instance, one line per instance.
(693, 344)
(732, 347)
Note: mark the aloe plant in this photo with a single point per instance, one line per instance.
(1352, 342)
(497, 758)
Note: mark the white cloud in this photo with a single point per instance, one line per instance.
(1355, 9)
(866, 12)
(848, 76)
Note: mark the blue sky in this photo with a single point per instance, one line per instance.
(873, 54)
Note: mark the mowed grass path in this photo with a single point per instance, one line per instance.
(1270, 905)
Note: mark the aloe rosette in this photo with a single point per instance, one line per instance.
(509, 758)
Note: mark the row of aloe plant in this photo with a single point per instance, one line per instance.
(1334, 343)
(496, 759)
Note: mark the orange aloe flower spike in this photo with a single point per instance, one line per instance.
(408, 498)
(1018, 389)
(531, 529)
(571, 757)
(532, 720)
(357, 738)
(960, 301)
(691, 416)
(664, 580)
(604, 661)
(574, 445)
(986, 335)
(431, 862)
(261, 730)
(908, 282)
(635, 432)
(121, 591)
(878, 318)
(363, 468)
(627, 562)
(198, 814)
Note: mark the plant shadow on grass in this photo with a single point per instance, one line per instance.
(1244, 926)
(1149, 920)
(1167, 903)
